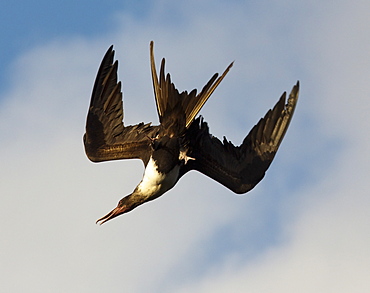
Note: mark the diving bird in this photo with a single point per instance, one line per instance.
(181, 142)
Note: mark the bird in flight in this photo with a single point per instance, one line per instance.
(181, 142)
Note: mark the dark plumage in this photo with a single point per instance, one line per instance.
(181, 142)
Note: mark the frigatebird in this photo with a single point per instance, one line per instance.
(181, 142)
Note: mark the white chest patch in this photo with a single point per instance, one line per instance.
(155, 183)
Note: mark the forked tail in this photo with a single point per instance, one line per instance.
(169, 100)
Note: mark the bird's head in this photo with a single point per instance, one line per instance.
(125, 205)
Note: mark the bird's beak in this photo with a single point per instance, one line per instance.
(119, 210)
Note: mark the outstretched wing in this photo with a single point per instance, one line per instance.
(106, 137)
(167, 96)
(241, 168)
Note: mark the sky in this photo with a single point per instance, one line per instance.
(304, 228)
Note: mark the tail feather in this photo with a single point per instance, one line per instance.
(193, 106)
(168, 97)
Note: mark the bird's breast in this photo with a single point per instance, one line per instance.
(155, 183)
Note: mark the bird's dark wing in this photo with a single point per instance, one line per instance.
(241, 168)
(168, 97)
(106, 137)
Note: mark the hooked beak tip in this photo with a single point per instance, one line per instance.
(101, 220)
(112, 214)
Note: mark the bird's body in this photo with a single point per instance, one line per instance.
(181, 142)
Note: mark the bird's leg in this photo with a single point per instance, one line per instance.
(185, 157)
(153, 141)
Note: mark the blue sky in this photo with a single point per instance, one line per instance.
(304, 228)
(28, 23)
